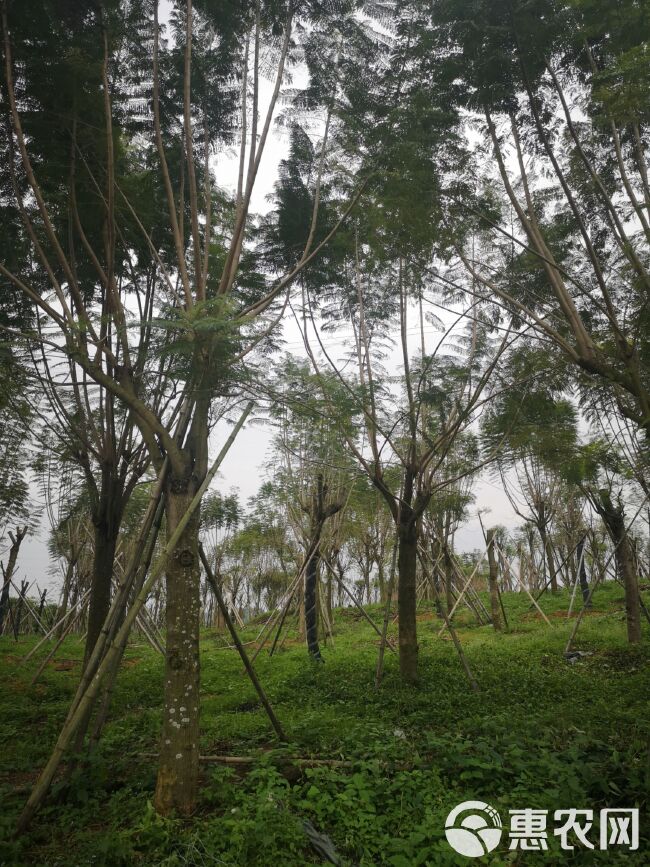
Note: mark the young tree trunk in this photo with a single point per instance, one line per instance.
(614, 519)
(582, 573)
(546, 548)
(407, 593)
(311, 605)
(8, 571)
(328, 596)
(493, 578)
(449, 576)
(178, 769)
(41, 605)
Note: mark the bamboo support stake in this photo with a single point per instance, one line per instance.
(22, 595)
(530, 595)
(356, 602)
(68, 629)
(464, 590)
(54, 628)
(240, 647)
(454, 635)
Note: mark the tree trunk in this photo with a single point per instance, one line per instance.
(493, 578)
(582, 573)
(107, 527)
(449, 576)
(328, 597)
(614, 519)
(311, 605)
(547, 552)
(178, 770)
(16, 541)
(407, 596)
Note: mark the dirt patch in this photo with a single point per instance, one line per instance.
(629, 659)
(63, 664)
(18, 781)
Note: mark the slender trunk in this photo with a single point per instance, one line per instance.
(328, 598)
(16, 541)
(582, 573)
(311, 604)
(178, 769)
(41, 606)
(547, 550)
(449, 577)
(493, 578)
(407, 593)
(301, 611)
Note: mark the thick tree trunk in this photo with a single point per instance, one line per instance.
(407, 597)
(107, 528)
(178, 770)
(493, 578)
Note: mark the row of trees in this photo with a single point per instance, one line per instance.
(484, 161)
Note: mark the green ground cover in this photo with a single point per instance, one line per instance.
(541, 733)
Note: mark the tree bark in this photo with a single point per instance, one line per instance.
(582, 573)
(493, 578)
(107, 527)
(407, 601)
(546, 547)
(16, 541)
(311, 605)
(449, 576)
(178, 769)
(614, 519)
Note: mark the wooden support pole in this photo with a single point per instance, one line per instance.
(454, 635)
(463, 591)
(358, 605)
(384, 630)
(214, 584)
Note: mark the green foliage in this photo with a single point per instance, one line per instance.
(541, 733)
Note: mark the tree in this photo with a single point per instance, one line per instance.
(207, 304)
(552, 92)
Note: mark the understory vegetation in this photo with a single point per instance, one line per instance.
(542, 732)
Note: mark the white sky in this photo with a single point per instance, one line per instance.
(243, 467)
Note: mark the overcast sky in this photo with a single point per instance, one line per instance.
(243, 467)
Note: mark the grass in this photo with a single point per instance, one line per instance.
(541, 733)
